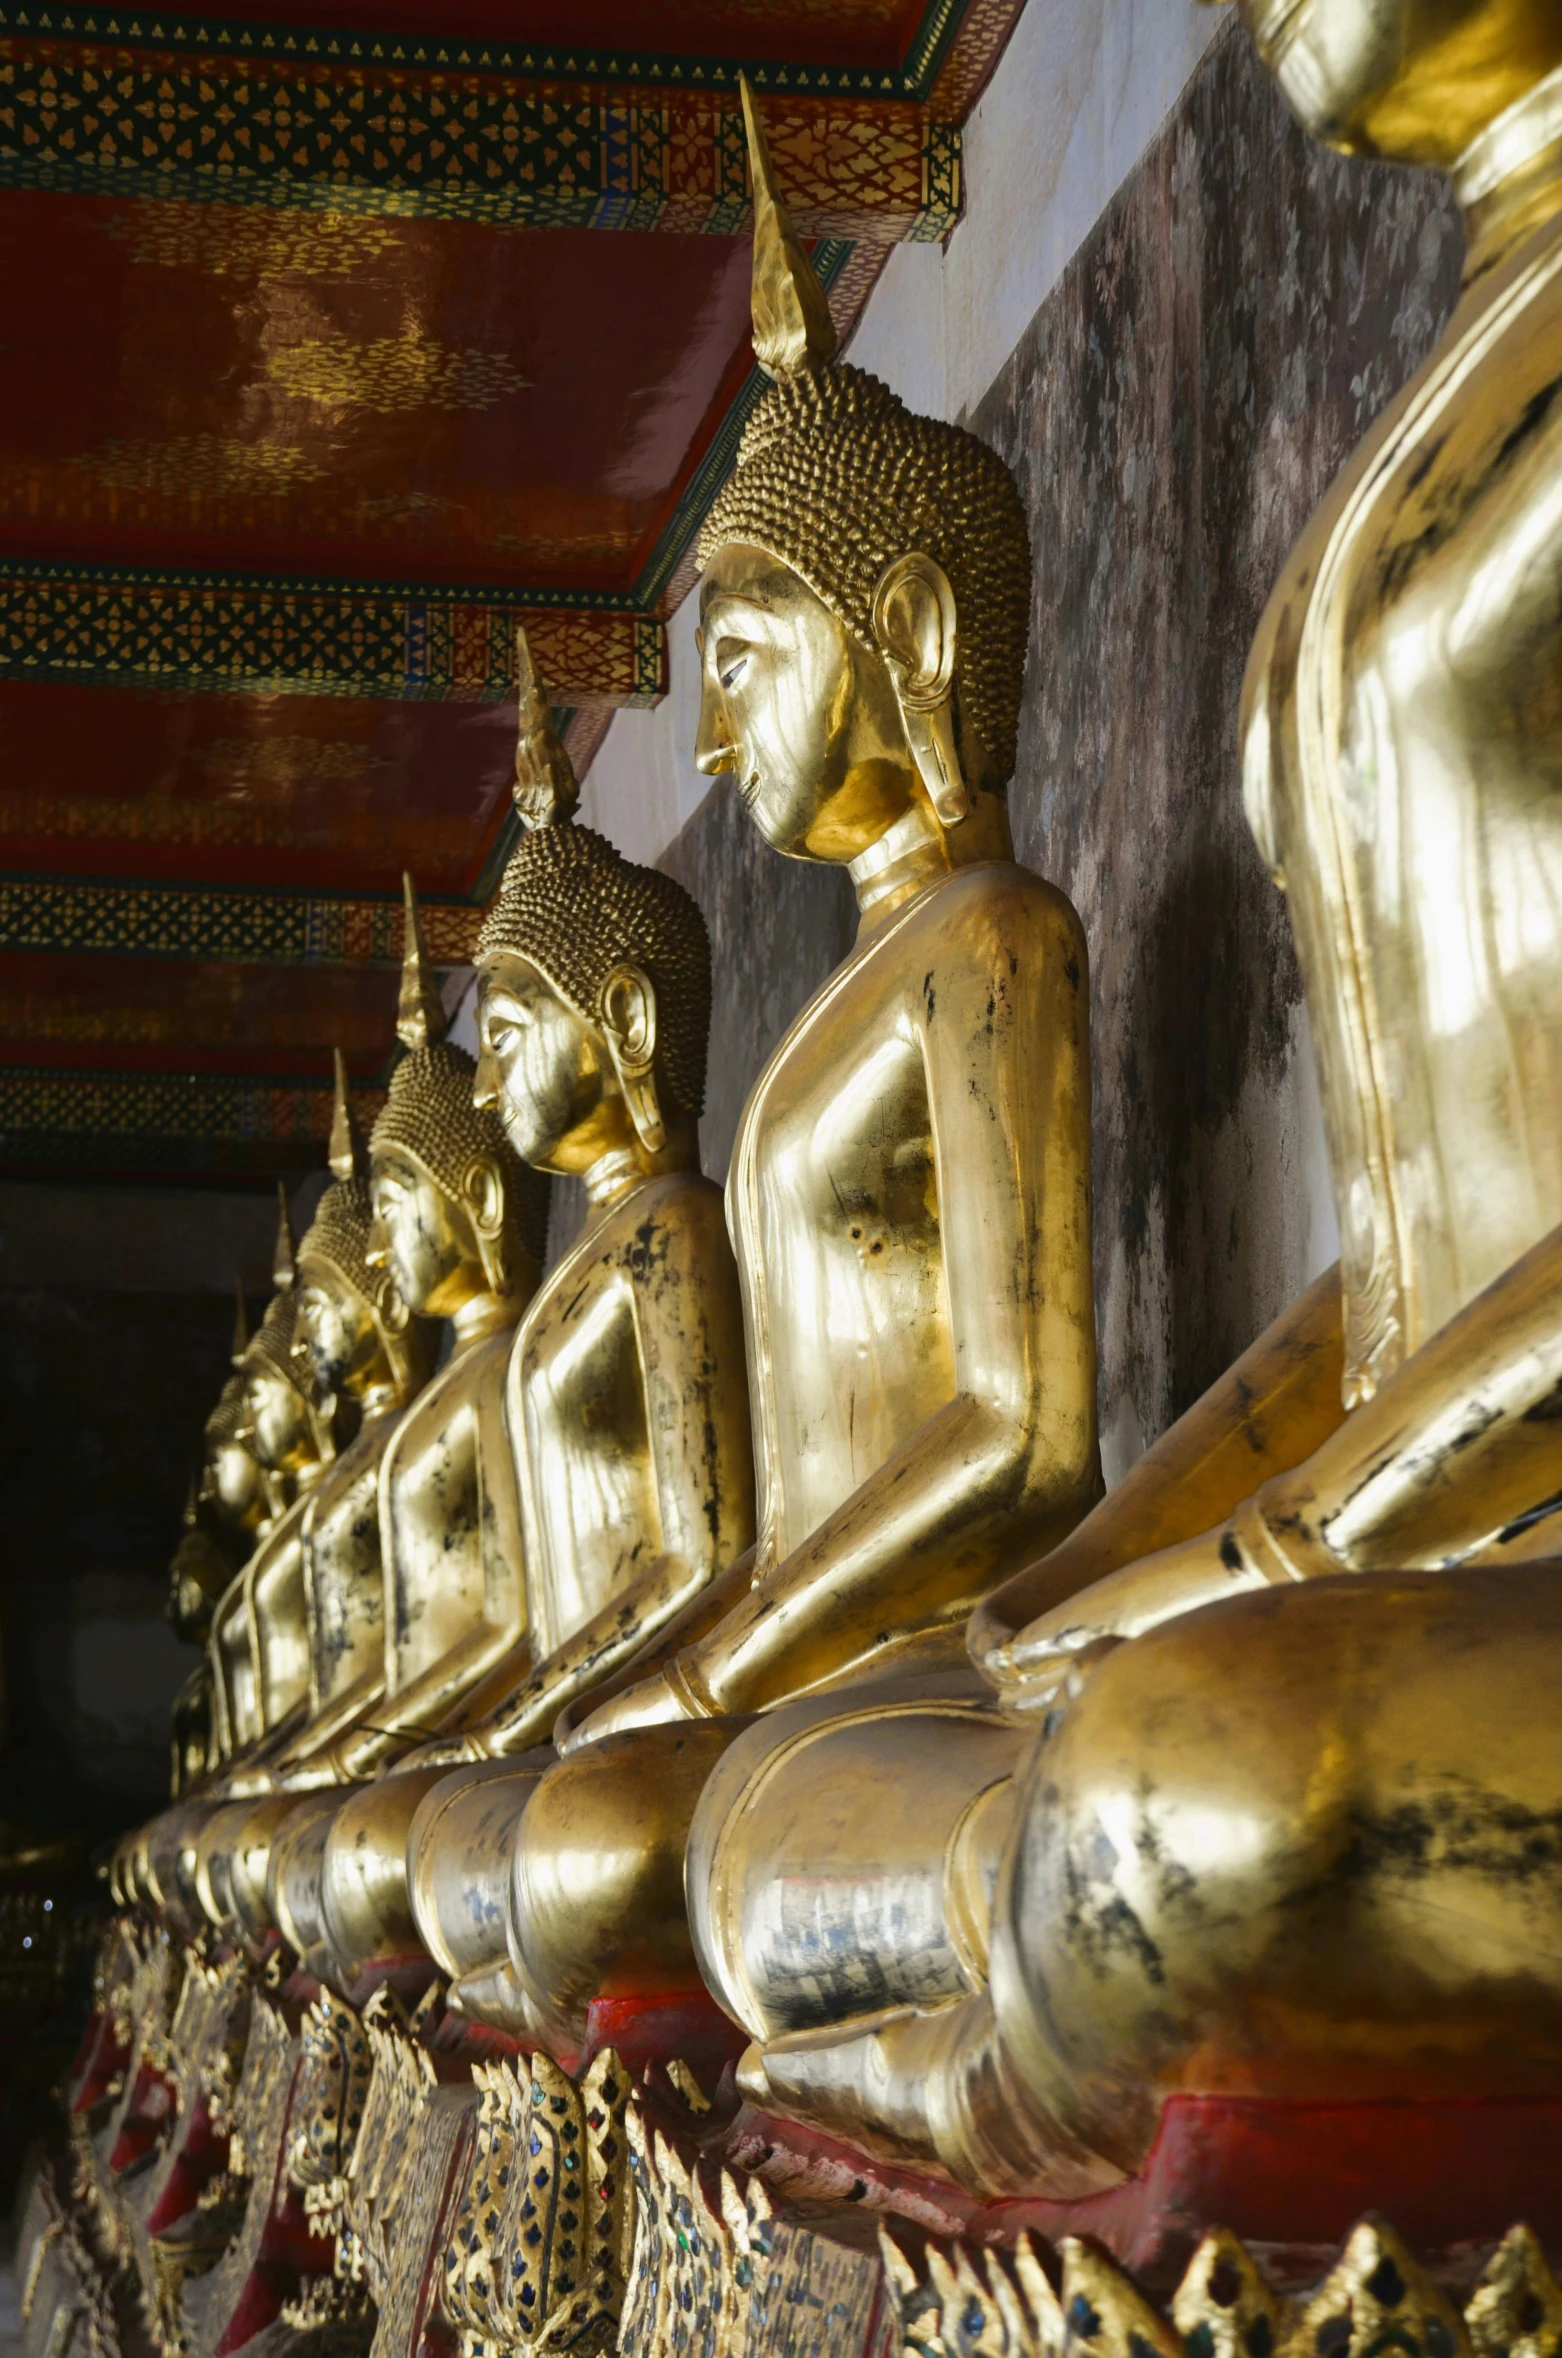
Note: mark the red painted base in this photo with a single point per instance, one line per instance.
(100, 2060)
(686, 2025)
(1296, 2176)
(148, 2113)
(408, 1978)
(202, 2156)
(289, 2252)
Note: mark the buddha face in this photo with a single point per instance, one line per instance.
(803, 716)
(279, 1418)
(420, 1236)
(1414, 81)
(336, 1330)
(539, 1067)
(232, 1479)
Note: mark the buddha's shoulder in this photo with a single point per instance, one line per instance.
(996, 907)
(635, 1236)
(448, 1392)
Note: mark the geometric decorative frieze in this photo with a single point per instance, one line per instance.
(167, 1121)
(243, 634)
(359, 136)
(234, 926)
(952, 51)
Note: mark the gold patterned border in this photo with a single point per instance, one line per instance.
(234, 926)
(289, 132)
(232, 634)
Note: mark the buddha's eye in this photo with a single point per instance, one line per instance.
(731, 664)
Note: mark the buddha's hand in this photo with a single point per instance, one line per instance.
(441, 1752)
(1036, 1664)
(651, 1703)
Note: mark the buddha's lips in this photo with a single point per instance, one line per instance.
(748, 788)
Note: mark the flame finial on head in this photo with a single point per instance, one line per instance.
(284, 1261)
(240, 1319)
(792, 325)
(346, 1154)
(547, 792)
(420, 1013)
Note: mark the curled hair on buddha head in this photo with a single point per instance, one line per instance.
(273, 1344)
(577, 910)
(837, 480)
(339, 1236)
(339, 1232)
(230, 1417)
(428, 1111)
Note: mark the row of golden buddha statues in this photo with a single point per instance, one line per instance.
(732, 1611)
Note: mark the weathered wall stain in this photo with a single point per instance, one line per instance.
(1236, 320)
(1234, 324)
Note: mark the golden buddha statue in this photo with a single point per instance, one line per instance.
(361, 1347)
(909, 1197)
(626, 1397)
(272, 1422)
(262, 1633)
(460, 1224)
(1286, 1825)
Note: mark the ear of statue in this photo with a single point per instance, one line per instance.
(483, 1190)
(915, 625)
(628, 1017)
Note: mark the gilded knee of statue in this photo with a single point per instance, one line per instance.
(795, 1888)
(171, 1857)
(363, 1881)
(213, 1874)
(458, 1861)
(249, 1862)
(596, 1878)
(1302, 1843)
(294, 1878)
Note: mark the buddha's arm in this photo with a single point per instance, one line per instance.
(363, 1699)
(418, 1710)
(421, 1708)
(1456, 1455)
(688, 1326)
(1011, 1460)
(1271, 1409)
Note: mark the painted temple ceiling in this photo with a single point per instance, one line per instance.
(338, 337)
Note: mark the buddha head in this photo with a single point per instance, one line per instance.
(279, 1409)
(457, 1214)
(201, 1569)
(593, 982)
(1413, 81)
(354, 1329)
(230, 1477)
(866, 588)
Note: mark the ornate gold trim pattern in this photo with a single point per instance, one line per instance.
(243, 634)
(236, 926)
(362, 138)
(538, 2256)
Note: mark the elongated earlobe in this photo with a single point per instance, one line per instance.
(483, 1188)
(915, 624)
(628, 1021)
